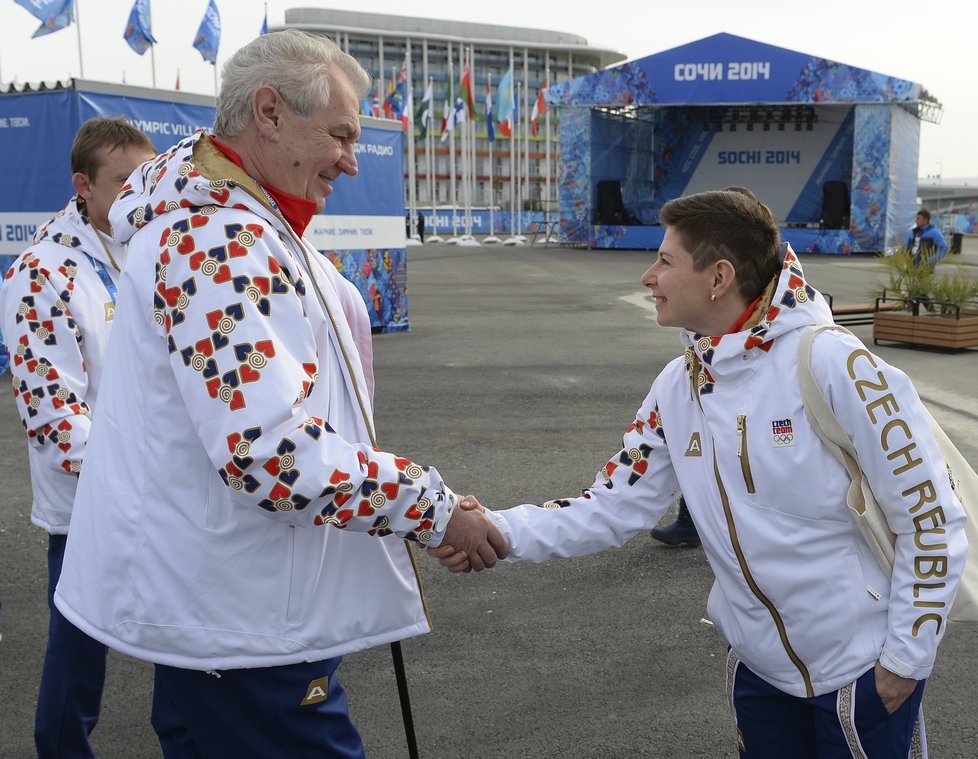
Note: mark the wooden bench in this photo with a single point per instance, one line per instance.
(852, 314)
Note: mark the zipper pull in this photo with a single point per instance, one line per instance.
(741, 425)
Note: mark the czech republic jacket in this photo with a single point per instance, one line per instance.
(798, 594)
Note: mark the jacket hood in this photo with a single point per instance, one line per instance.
(789, 303)
(191, 174)
(72, 229)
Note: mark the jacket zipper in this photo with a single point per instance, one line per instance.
(255, 191)
(353, 379)
(744, 454)
(363, 408)
(752, 583)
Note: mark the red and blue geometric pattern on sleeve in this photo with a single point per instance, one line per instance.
(230, 304)
(45, 350)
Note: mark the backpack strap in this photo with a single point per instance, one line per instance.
(866, 510)
(820, 415)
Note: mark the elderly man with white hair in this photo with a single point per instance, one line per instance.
(237, 524)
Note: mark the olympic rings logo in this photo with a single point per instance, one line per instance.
(786, 439)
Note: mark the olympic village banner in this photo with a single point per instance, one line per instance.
(362, 229)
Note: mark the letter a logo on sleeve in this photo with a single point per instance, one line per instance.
(316, 692)
(695, 446)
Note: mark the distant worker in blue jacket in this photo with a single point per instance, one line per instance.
(926, 240)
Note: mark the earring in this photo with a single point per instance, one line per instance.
(713, 297)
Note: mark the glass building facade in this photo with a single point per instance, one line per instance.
(522, 171)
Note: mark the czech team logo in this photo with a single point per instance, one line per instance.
(782, 433)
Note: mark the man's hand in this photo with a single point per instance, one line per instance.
(471, 540)
(893, 689)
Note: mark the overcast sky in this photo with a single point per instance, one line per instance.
(935, 44)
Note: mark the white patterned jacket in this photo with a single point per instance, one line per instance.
(237, 513)
(56, 312)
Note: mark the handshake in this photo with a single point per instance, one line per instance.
(472, 541)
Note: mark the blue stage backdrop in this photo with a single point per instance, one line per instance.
(725, 111)
(364, 219)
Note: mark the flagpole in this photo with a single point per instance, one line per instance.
(463, 151)
(427, 134)
(518, 138)
(431, 163)
(468, 140)
(548, 231)
(491, 194)
(81, 64)
(412, 172)
(511, 240)
(451, 146)
(525, 184)
(432, 171)
(380, 60)
(470, 184)
(473, 153)
(466, 152)
(152, 62)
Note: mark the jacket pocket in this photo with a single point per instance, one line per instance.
(306, 553)
(743, 453)
(218, 504)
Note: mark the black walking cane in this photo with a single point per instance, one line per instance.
(405, 699)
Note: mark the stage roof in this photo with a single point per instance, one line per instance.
(729, 70)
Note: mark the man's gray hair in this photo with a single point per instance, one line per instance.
(294, 63)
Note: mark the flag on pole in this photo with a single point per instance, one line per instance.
(53, 14)
(507, 104)
(465, 94)
(403, 100)
(423, 115)
(375, 103)
(490, 132)
(448, 120)
(407, 115)
(208, 37)
(264, 23)
(460, 111)
(389, 96)
(539, 108)
(139, 28)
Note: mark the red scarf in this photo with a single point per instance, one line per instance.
(745, 316)
(297, 211)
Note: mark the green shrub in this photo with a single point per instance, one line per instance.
(943, 288)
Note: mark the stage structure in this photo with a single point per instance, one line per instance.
(832, 149)
(362, 230)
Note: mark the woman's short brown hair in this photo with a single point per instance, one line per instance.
(728, 224)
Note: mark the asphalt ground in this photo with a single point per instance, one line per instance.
(522, 369)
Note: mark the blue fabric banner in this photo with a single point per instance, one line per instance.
(361, 230)
(380, 156)
(36, 130)
(728, 69)
(164, 122)
(208, 37)
(53, 14)
(139, 28)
